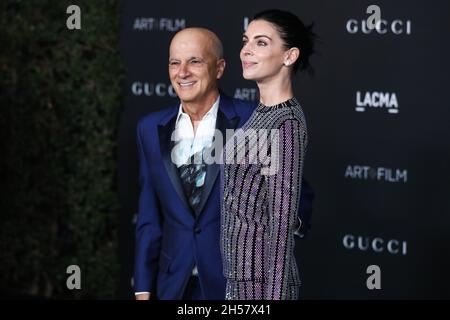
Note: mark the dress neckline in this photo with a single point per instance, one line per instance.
(285, 104)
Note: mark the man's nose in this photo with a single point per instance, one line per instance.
(184, 70)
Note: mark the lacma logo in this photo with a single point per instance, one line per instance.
(375, 244)
(376, 100)
(161, 24)
(382, 26)
(357, 172)
(152, 89)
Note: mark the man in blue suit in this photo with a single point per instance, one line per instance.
(178, 226)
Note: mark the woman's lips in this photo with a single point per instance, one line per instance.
(248, 64)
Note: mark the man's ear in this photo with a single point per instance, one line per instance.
(220, 68)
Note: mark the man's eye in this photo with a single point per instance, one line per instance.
(195, 61)
(173, 63)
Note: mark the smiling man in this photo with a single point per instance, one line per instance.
(178, 226)
(195, 64)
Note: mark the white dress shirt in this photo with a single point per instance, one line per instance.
(188, 143)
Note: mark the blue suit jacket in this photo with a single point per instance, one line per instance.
(170, 237)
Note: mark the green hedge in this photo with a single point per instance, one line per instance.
(61, 92)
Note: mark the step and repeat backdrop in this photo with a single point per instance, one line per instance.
(379, 135)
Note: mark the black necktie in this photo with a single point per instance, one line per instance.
(193, 176)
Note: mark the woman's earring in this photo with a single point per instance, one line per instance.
(287, 63)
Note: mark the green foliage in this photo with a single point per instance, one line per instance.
(60, 98)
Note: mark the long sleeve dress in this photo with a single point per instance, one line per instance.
(260, 184)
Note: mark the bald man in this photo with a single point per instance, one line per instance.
(178, 226)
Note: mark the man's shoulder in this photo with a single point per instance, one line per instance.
(245, 104)
(243, 107)
(157, 117)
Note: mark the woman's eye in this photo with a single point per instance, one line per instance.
(262, 43)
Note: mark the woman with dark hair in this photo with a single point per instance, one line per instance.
(263, 162)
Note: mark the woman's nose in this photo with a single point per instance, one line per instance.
(246, 51)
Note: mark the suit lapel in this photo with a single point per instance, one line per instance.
(226, 119)
(166, 145)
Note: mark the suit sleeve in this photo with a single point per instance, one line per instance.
(148, 224)
(284, 188)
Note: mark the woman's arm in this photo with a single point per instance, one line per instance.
(283, 198)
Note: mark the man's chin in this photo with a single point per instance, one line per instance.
(185, 98)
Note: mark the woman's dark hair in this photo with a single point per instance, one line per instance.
(294, 33)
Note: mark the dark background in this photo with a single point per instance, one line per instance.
(413, 66)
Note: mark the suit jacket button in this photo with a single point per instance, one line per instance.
(197, 230)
